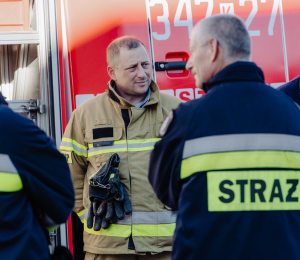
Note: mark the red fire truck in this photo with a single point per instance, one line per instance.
(52, 52)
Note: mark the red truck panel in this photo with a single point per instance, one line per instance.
(91, 26)
(291, 16)
(173, 20)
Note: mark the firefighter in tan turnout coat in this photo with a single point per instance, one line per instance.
(126, 120)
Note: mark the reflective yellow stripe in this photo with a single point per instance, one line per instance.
(140, 149)
(74, 142)
(117, 150)
(153, 230)
(81, 215)
(236, 160)
(10, 182)
(52, 228)
(114, 230)
(73, 150)
(142, 141)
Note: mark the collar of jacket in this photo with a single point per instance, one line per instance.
(237, 71)
(154, 97)
(2, 100)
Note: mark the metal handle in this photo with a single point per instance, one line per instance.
(175, 65)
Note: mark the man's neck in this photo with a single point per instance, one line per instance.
(133, 99)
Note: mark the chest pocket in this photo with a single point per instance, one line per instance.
(102, 143)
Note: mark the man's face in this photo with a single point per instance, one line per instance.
(199, 61)
(132, 72)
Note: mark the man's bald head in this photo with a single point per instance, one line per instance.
(127, 42)
(230, 32)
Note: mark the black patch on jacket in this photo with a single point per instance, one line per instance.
(103, 132)
(103, 143)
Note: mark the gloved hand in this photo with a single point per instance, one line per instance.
(109, 199)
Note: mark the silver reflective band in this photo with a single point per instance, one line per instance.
(141, 145)
(82, 217)
(6, 164)
(165, 217)
(241, 142)
(67, 144)
(115, 146)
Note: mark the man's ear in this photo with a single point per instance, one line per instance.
(214, 49)
(111, 73)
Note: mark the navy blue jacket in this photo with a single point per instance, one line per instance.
(229, 163)
(34, 181)
(292, 89)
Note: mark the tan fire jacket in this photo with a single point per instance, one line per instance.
(99, 119)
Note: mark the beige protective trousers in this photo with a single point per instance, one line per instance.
(148, 256)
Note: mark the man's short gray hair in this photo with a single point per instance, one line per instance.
(231, 33)
(128, 42)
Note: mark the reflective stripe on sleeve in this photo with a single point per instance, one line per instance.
(72, 145)
(10, 180)
(239, 160)
(81, 215)
(241, 142)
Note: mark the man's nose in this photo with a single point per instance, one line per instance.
(140, 71)
(189, 65)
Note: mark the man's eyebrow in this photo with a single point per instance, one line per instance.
(135, 64)
(131, 65)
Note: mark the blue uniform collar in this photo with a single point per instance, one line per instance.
(238, 71)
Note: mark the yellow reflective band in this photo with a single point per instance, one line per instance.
(253, 190)
(114, 230)
(138, 149)
(143, 141)
(153, 230)
(10, 182)
(236, 160)
(68, 140)
(81, 213)
(73, 150)
(52, 228)
(117, 150)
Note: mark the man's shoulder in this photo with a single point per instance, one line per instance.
(7, 116)
(169, 101)
(291, 86)
(93, 104)
(14, 125)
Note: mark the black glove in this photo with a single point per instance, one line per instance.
(109, 199)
